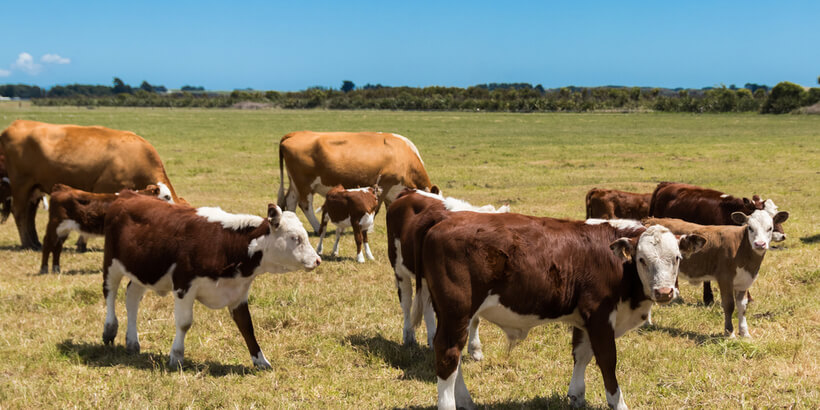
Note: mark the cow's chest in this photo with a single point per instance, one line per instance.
(222, 292)
(624, 318)
(743, 280)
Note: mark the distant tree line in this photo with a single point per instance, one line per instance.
(503, 97)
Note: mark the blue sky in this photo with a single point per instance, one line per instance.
(297, 44)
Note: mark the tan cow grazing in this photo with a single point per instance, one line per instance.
(612, 204)
(732, 256)
(355, 208)
(318, 161)
(520, 271)
(203, 254)
(75, 210)
(93, 159)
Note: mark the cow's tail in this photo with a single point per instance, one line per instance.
(280, 196)
(588, 199)
(421, 301)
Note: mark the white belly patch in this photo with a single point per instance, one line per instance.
(69, 225)
(516, 325)
(317, 187)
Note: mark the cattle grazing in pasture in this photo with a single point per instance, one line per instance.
(732, 256)
(521, 271)
(611, 204)
(94, 159)
(706, 206)
(356, 208)
(318, 161)
(408, 219)
(203, 254)
(76, 210)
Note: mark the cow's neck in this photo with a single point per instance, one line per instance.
(632, 289)
(746, 257)
(246, 258)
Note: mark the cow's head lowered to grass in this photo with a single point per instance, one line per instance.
(657, 255)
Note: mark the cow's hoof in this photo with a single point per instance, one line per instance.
(175, 362)
(477, 355)
(576, 401)
(360, 259)
(55, 269)
(43, 270)
(132, 347)
(109, 333)
(745, 333)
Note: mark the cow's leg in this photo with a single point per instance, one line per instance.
(357, 235)
(292, 197)
(727, 300)
(602, 338)
(242, 317)
(183, 318)
(50, 248)
(82, 244)
(741, 301)
(581, 355)
(405, 288)
(133, 297)
(335, 251)
(112, 276)
(24, 212)
(708, 297)
(429, 312)
(367, 246)
(322, 231)
(474, 342)
(307, 207)
(449, 342)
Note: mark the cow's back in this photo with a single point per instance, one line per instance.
(690, 203)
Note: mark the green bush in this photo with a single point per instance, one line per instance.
(784, 98)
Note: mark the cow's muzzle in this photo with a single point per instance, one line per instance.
(663, 295)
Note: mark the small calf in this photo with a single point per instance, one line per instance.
(350, 207)
(611, 204)
(76, 210)
(732, 256)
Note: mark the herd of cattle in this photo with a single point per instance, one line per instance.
(601, 276)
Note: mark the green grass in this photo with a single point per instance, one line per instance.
(333, 336)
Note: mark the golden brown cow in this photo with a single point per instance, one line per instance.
(318, 161)
(94, 159)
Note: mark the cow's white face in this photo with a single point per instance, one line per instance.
(287, 246)
(165, 193)
(657, 256)
(772, 209)
(759, 227)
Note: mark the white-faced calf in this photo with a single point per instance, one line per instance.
(521, 271)
(203, 254)
(76, 210)
(732, 256)
(355, 208)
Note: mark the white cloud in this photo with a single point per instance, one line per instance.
(25, 62)
(4, 73)
(54, 59)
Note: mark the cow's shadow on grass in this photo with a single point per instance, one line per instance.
(811, 239)
(696, 337)
(72, 272)
(415, 361)
(554, 401)
(99, 355)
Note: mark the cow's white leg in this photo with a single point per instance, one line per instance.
(133, 297)
(335, 251)
(429, 315)
(741, 301)
(616, 401)
(582, 355)
(406, 300)
(111, 285)
(321, 238)
(474, 344)
(452, 392)
(367, 251)
(463, 399)
(310, 214)
(183, 317)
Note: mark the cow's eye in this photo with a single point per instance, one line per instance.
(642, 261)
(678, 258)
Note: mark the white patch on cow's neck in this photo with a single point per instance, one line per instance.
(743, 280)
(228, 220)
(724, 196)
(458, 205)
(165, 193)
(411, 145)
(616, 223)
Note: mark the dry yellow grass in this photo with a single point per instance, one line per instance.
(333, 336)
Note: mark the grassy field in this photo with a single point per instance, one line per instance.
(333, 335)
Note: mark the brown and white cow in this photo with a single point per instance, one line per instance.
(706, 206)
(356, 208)
(203, 254)
(318, 161)
(732, 256)
(94, 159)
(611, 204)
(521, 271)
(408, 219)
(80, 211)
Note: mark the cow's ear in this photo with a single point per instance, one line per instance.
(739, 218)
(748, 203)
(435, 190)
(623, 249)
(274, 215)
(690, 244)
(780, 217)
